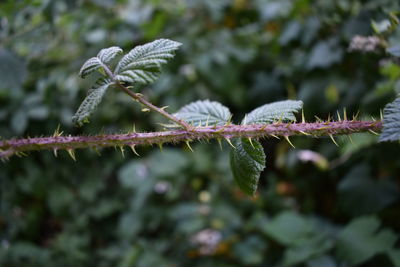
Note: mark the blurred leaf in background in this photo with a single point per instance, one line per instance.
(181, 208)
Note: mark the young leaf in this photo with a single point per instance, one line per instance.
(103, 57)
(90, 103)
(107, 54)
(281, 110)
(247, 162)
(143, 63)
(391, 122)
(204, 112)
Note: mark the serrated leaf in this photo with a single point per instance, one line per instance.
(107, 54)
(204, 112)
(143, 63)
(247, 163)
(103, 57)
(281, 110)
(90, 103)
(391, 122)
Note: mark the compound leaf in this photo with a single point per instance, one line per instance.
(143, 63)
(391, 122)
(89, 104)
(103, 57)
(204, 112)
(247, 163)
(281, 110)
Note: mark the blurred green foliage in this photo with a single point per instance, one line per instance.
(175, 208)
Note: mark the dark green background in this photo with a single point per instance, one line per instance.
(342, 210)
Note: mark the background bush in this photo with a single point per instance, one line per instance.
(318, 205)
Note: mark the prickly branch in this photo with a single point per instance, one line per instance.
(255, 131)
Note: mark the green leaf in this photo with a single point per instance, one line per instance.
(361, 240)
(103, 57)
(391, 122)
(143, 63)
(247, 162)
(359, 193)
(288, 227)
(281, 110)
(204, 112)
(89, 104)
(394, 255)
(303, 238)
(13, 70)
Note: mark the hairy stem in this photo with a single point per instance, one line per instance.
(256, 131)
(146, 103)
(140, 99)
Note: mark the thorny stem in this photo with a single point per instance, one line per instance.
(256, 131)
(139, 98)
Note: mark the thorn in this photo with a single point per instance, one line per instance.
(251, 142)
(371, 131)
(96, 150)
(134, 128)
(333, 140)
(71, 152)
(329, 117)
(274, 136)
(381, 114)
(344, 114)
(304, 133)
(351, 139)
(160, 145)
(356, 116)
(134, 150)
(338, 115)
(229, 120)
(21, 154)
(230, 143)
(145, 110)
(220, 143)
(245, 119)
(188, 145)
(164, 107)
(122, 151)
(373, 118)
(318, 119)
(57, 132)
(55, 152)
(208, 117)
(303, 119)
(290, 143)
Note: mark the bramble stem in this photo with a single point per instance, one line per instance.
(256, 131)
(146, 103)
(139, 98)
